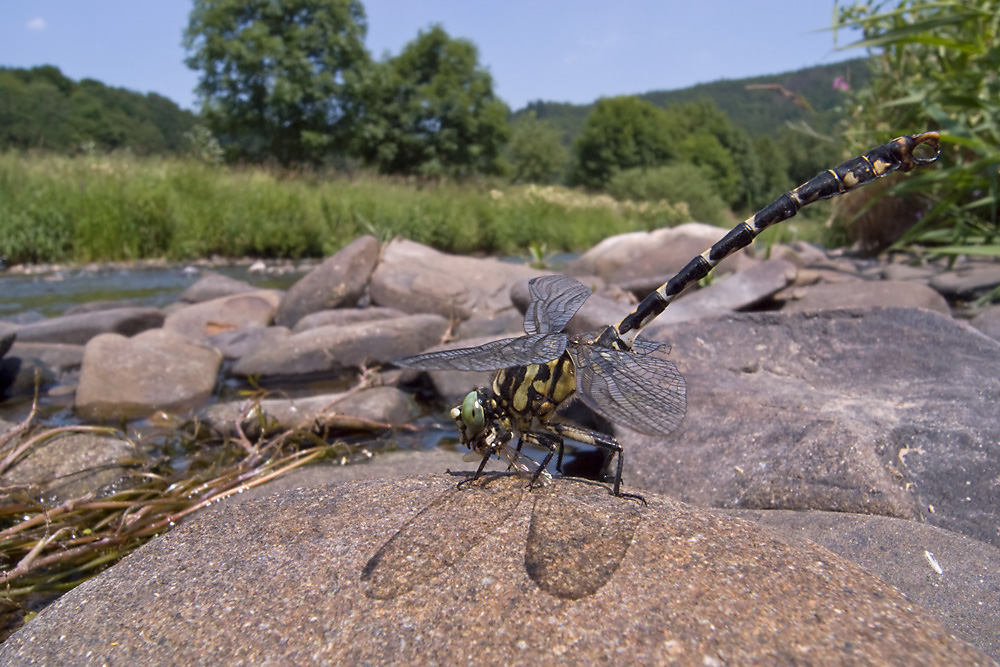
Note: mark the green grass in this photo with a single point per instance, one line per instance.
(104, 208)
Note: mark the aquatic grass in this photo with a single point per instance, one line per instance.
(46, 550)
(119, 207)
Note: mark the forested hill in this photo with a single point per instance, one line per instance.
(758, 111)
(40, 108)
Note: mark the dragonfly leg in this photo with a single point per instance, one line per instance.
(546, 441)
(597, 439)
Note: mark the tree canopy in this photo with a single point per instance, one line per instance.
(42, 109)
(278, 78)
(621, 133)
(431, 111)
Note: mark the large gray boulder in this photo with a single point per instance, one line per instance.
(414, 570)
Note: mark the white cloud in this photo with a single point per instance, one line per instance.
(38, 24)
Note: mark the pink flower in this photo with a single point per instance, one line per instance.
(840, 83)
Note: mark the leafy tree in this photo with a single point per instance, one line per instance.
(675, 183)
(621, 133)
(278, 77)
(537, 154)
(431, 111)
(42, 109)
(706, 136)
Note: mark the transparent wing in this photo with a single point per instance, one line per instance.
(503, 353)
(554, 302)
(644, 346)
(640, 391)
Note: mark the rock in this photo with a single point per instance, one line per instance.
(344, 316)
(69, 466)
(56, 356)
(645, 260)
(80, 328)
(855, 294)
(19, 376)
(964, 594)
(988, 321)
(883, 411)
(8, 334)
(375, 407)
(134, 377)
(339, 281)
(737, 291)
(921, 273)
(236, 343)
(227, 313)
(377, 572)
(213, 286)
(334, 348)
(94, 306)
(417, 279)
(967, 282)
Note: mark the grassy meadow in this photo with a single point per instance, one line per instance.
(119, 207)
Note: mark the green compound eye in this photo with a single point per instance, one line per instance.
(472, 412)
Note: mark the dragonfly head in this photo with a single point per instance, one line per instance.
(470, 416)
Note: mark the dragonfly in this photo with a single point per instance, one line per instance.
(620, 376)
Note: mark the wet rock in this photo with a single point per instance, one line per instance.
(344, 316)
(80, 328)
(855, 294)
(69, 466)
(954, 577)
(56, 356)
(988, 321)
(666, 582)
(133, 377)
(236, 343)
(228, 313)
(372, 408)
(883, 411)
(334, 348)
(339, 281)
(967, 282)
(417, 279)
(213, 286)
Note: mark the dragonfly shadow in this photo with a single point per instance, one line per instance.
(578, 537)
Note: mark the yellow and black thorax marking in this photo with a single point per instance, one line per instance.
(535, 390)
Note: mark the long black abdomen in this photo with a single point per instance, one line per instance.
(854, 173)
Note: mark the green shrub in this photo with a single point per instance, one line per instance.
(679, 182)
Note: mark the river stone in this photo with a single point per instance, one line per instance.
(80, 328)
(371, 408)
(69, 466)
(882, 411)
(418, 279)
(856, 294)
(334, 348)
(227, 313)
(646, 260)
(236, 343)
(988, 321)
(214, 286)
(565, 574)
(8, 333)
(339, 281)
(967, 282)
(134, 377)
(92, 306)
(58, 357)
(19, 376)
(344, 316)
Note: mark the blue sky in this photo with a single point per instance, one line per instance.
(555, 50)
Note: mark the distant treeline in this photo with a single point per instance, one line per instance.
(42, 109)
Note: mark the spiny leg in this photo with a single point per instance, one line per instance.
(597, 439)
